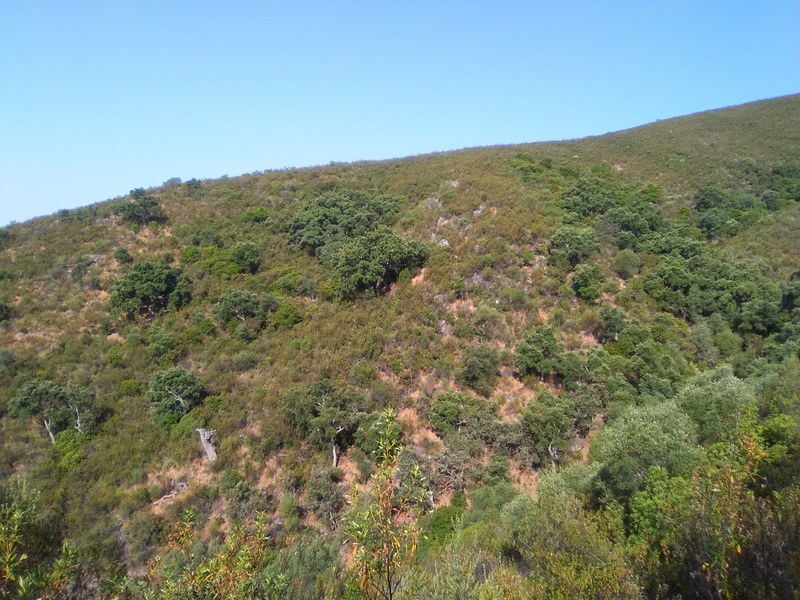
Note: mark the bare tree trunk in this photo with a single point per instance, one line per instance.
(208, 446)
(49, 430)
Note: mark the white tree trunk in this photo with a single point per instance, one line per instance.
(208, 446)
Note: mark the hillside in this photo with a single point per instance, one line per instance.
(566, 369)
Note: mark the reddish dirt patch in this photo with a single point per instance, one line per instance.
(512, 396)
(419, 437)
(523, 477)
(443, 498)
(271, 473)
(350, 472)
(418, 278)
(465, 305)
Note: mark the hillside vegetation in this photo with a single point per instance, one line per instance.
(558, 370)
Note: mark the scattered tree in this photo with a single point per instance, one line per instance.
(372, 261)
(576, 243)
(479, 369)
(246, 257)
(141, 209)
(587, 281)
(73, 407)
(174, 393)
(538, 353)
(150, 286)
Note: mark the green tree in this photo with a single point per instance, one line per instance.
(246, 257)
(590, 196)
(174, 393)
(587, 281)
(287, 316)
(538, 353)
(547, 420)
(452, 412)
(244, 306)
(336, 216)
(372, 261)
(5, 312)
(657, 435)
(713, 401)
(479, 368)
(709, 197)
(58, 408)
(612, 322)
(324, 416)
(627, 263)
(150, 286)
(141, 209)
(576, 243)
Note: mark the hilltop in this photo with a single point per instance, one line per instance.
(546, 356)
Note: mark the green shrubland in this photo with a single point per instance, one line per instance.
(562, 370)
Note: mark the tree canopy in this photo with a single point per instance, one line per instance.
(149, 287)
(371, 262)
(174, 393)
(59, 408)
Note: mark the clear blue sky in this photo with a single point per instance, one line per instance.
(99, 97)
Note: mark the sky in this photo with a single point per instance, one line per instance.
(98, 97)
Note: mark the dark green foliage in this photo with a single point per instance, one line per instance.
(246, 257)
(539, 353)
(587, 281)
(258, 214)
(174, 393)
(336, 216)
(627, 263)
(287, 315)
(5, 312)
(470, 416)
(57, 408)
(190, 255)
(325, 495)
(141, 209)
(122, 256)
(547, 420)
(612, 322)
(162, 343)
(479, 368)
(441, 524)
(371, 262)
(574, 243)
(148, 288)
(327, 417)
(590, 196)
(347, 231)
(716, 222)
(243, 307)
(704, 284)
(710, 197)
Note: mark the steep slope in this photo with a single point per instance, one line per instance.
(509, 303)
